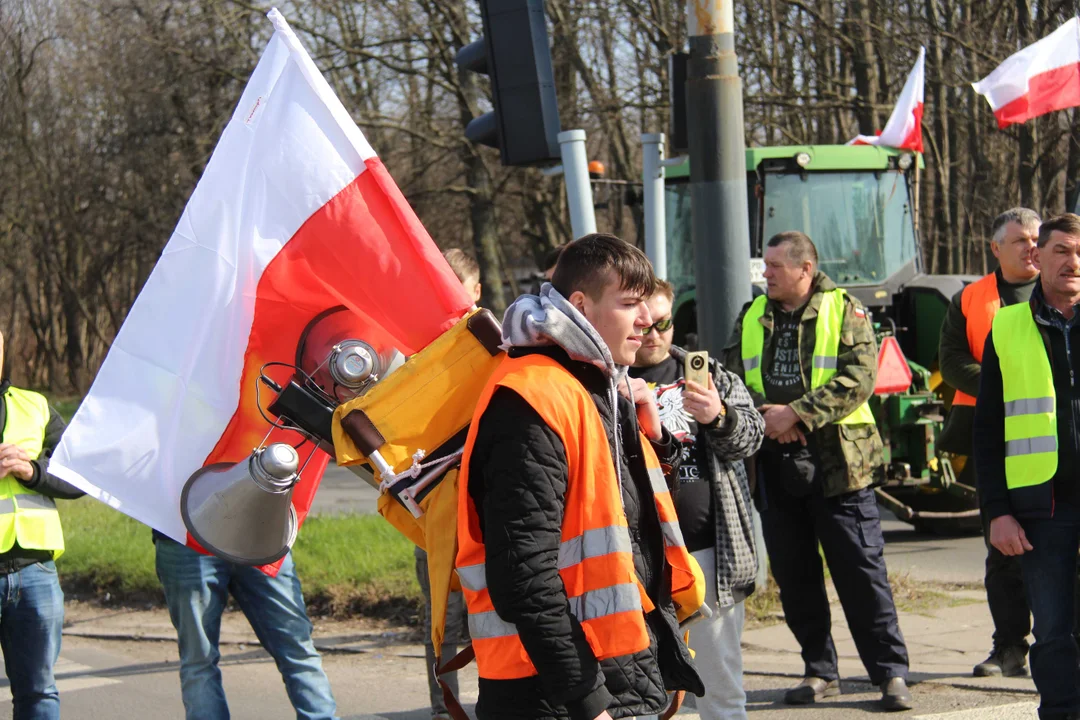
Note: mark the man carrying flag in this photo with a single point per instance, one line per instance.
(293, 218)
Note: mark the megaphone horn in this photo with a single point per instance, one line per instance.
(243, 512)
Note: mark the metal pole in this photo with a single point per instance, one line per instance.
(652, 157)
(575, 164)
(720, 223)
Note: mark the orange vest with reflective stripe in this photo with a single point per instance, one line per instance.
(596, 562)
(979, 302)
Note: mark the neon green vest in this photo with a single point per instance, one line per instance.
(830, 320)
(1027, 382)
(27, 516)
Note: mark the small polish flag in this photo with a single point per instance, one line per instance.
(295, 214)
(904, 129)
(1041, 78)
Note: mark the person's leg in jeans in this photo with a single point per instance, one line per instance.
(275, 608)
(31, 622)
(1050, 577)
(796, 565)
(717, 646)
(849, 527)
(438, 707)
(196, 591)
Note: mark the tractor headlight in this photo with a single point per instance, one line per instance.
(803, 159)
(905, 161)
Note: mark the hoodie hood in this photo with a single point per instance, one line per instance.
(550, 319)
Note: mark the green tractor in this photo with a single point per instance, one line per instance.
(857, 204)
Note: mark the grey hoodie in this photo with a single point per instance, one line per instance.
(549, 319)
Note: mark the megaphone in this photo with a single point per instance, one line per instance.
(243, 512)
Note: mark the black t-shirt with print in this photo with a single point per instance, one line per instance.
(694, 499)
(780, 372)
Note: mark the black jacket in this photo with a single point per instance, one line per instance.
(959, 367)
(1061, 343)
(517, 479)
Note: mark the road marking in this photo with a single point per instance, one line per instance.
(85, 680)
(1011, 711)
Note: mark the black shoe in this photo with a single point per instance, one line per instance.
(895, 694)
(1007, 661)
(810, 690)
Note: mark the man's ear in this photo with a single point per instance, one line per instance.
(1035, 259)
(808, 268)
(577, 299)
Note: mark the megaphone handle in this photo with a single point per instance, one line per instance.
(380, 463)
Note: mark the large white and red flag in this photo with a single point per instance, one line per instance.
(904, 128)
(295, 214)
(1041, 78)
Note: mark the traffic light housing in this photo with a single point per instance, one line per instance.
(514, 53)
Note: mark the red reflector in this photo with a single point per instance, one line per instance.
(893, 373)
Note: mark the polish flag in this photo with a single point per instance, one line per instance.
(904, 129)
(1041, 78)
(295, 214)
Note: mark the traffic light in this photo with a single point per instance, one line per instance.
(514, 53)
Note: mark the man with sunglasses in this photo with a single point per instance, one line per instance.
(718, 428)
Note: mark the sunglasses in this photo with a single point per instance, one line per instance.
(659, 326)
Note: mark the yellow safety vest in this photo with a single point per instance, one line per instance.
(830, 320)
(27, 516)
(1027, 382)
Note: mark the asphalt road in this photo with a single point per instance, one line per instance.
(122, 679)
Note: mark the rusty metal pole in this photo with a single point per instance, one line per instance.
(718, 200)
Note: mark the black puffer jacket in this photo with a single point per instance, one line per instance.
(518, 479)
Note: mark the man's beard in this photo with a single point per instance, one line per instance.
(647, 357)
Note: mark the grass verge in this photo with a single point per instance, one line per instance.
(349, 564)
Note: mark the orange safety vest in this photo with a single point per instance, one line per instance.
(596, 560)
(979, 302)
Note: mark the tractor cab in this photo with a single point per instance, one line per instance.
(857, 204)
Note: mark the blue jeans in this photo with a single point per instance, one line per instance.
(1050, 581)
(31, 621)
(197, 587)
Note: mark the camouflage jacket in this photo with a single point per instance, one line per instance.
(851, 456)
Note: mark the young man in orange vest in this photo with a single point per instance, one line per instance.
(569, 548)
(963, 335)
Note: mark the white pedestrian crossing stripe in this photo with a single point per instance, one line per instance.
(1012, 711)
(72, 677)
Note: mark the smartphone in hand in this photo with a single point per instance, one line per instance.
(697, 368)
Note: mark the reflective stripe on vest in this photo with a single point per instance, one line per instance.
(830, 321)
(979, 303)
(26, 516)
(1030, 401)
(595, 560)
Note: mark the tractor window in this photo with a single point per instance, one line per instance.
(860, 222)
(680, 242)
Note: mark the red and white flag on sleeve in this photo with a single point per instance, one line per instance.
(1041, 78)
(294, 214)
(904, 129)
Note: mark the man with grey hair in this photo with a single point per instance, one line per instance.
(1013, 237)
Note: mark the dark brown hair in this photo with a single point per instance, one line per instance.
(1067, 223)
(588, 264)
(801, 248)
